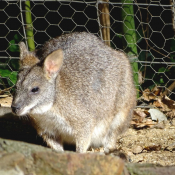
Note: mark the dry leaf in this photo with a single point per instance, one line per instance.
(139, 119)
(153, 148)
(148, 95)
(6, 102)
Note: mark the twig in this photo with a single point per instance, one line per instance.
(169, 89)
(144, 33)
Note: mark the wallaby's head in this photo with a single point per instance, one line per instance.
(35, 87)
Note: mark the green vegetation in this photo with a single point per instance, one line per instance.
(29, 27)
(129, 39)
(8, 70)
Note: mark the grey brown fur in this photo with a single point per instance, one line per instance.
(76, 90)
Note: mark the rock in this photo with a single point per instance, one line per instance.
(12, 164)
(19, 158)
(137, 149)
(77, 164)
(157, 115)
(144, 169)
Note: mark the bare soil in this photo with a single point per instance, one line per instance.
(150, 145)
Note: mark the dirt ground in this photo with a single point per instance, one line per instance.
(150, 145)
(155, 145)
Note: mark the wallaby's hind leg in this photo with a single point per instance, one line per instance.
(119, 125)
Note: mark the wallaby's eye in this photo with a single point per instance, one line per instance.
(35, 90)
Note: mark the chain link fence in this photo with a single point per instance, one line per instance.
(143, 29)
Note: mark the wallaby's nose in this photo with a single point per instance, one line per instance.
(15, 108)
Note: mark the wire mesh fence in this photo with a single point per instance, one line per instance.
(143, 29)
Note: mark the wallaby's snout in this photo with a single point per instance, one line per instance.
(16, 104)
(15, 108)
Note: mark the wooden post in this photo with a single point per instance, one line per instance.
(104, 20)
(173, 13)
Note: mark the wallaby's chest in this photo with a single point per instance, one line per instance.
(52, 124)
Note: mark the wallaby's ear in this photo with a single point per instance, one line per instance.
(53, 63)
(27, 59)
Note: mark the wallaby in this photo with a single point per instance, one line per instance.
(76, 90)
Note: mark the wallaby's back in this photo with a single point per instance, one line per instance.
(93, 69)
